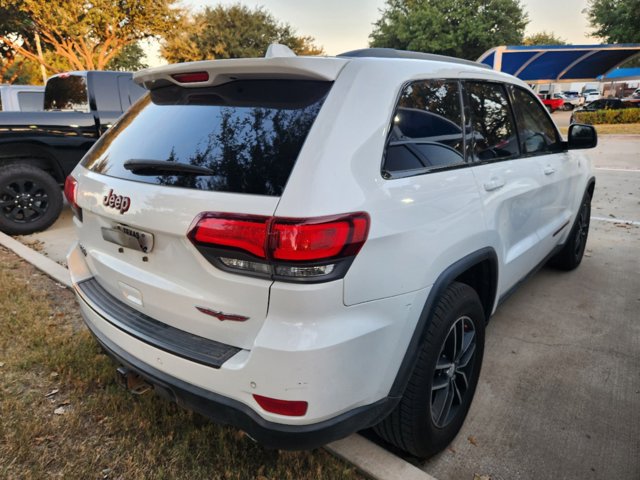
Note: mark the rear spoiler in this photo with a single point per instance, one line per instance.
(216, 72)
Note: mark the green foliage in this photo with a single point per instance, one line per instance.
(626, 115)
(130, 59)
(543, 38)
(615, 21)
(460, 28)
(87, 35)
(231, 32)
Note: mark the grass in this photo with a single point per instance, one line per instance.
(612, 129)
(49, 363)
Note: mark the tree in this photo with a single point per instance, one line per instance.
(231, 32)
(129, 59)
(615, 21)
(84, 35)
(460, 28)
(543, 38)
(13, 67)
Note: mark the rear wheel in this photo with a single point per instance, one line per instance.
(440, 390)
(571, 254)
(30, 199)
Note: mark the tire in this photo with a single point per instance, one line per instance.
(571, 254)
(30, 199)
(549, 109)
(419, 424)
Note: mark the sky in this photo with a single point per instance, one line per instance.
(343, 25)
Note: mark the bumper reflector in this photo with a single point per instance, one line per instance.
(290, 408)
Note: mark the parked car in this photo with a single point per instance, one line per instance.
(290, 248)
(606, 104)
(572, 100)
(552, 103)
(21, 98)
(38, 149)
(591, 95)
(572, 94)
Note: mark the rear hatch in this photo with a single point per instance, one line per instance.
(181, 151)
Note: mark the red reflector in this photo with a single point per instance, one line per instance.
(71, 190)
(289, 408)
(192, 77)
(243, 233)
(321, 238)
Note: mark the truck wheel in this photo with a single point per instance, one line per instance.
(30, 199)
(571, 254)
(439, 393)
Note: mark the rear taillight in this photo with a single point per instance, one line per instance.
(291, 249)
(71, 194)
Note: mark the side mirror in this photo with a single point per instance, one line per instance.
(582, 136)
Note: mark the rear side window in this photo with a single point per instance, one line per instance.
(246, 135)
(494, 133)
(537, 133)
(426, 131)
(30, 101)
(67, 93)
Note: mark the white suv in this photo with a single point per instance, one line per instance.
(306, 247)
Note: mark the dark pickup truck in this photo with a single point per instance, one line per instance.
(39, 149)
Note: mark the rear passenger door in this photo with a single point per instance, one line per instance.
(509, 183)
(541, 144)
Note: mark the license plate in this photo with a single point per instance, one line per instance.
(129, 237)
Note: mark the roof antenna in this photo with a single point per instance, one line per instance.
(279, 50)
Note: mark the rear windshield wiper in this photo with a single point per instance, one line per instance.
(156, 167)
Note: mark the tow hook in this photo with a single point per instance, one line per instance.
(131, 381)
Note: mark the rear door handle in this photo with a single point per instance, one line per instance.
(549, 170)
(494, 184)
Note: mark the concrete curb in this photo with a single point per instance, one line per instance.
(59, 273)
(375, 461)
(366, 456)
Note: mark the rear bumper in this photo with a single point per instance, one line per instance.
(227, 411)
(341, 360)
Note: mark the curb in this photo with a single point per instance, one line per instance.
(375, 461)
(46, 265)
(366, 456)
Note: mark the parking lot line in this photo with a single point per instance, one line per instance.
(617, 169)
(616, 220)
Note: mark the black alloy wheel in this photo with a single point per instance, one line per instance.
(30, 199)
(453, 370)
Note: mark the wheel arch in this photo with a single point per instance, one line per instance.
(479, 270)
(31, 154)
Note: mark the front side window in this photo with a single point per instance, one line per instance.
(426, 132)
(537, 133)
(66, 93)
(494, 134)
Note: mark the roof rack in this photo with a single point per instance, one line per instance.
(393, 53)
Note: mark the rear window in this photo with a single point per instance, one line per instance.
(67, 93)
(247, 133)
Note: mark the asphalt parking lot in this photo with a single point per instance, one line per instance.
(559, 394)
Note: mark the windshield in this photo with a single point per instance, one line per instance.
(247, 133)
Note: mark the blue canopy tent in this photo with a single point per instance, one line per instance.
(559, 63)
(621, 74)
